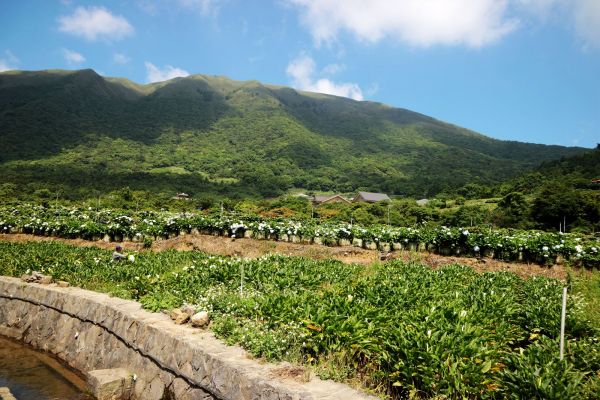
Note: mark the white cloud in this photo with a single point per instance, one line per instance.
(9, 62)
(587, 21)
(302, 71)
(120, 58)
(5, 66)
(421, 23)
(155, 74)
(73, 57)
(94, 23)
(582, 15)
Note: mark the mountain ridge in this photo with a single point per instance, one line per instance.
(240, 137)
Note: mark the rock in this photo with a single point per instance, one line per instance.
(110, 384)
(63, 284)
(200, 319)
(179, 316)
(5, 394)
(188, 309)
(37, 277)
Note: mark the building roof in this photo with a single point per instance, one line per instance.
(323, 199)
(422, 202)
(373, 197)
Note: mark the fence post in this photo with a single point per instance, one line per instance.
(562, 323)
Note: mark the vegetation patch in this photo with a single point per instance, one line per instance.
(507, 244)
(397, 328)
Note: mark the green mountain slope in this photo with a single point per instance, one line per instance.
(198, 134)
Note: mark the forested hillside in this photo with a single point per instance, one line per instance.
(557, 193)
(83, 133)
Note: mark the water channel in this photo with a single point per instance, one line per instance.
(33, 375)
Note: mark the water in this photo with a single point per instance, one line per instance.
(32, 375)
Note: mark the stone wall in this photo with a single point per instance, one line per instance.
(91, 331)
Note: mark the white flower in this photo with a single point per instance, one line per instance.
(131, 258)
(476, 248)
(465, 232)
(350, 297)
(545, 248)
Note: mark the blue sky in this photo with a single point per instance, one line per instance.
(526, 70)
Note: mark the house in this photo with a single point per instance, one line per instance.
(181, 196)
(423, 202)
(369, 197)
(336, 198)
(596, 181)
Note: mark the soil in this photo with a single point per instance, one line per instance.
(253, 248)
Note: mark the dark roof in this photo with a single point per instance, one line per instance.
(368, 196)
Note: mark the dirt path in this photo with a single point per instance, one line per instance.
(255, 248)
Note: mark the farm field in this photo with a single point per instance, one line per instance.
(252, 248)
(399, 328)
(145, 226)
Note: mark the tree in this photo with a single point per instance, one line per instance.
(513, 211)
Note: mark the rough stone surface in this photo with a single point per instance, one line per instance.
(110, 384)
(179, 316)
(63, 284)
(5, 394)
(188, 309)
(37, 277)
(200, 319)
(92, 331)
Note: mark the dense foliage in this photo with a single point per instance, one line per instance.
(80, 132)
(401, 329)
(533, 246)
(558, 193)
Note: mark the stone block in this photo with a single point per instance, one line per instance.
(179, 316)
(188, 309)
(200, 319)
(110, 384)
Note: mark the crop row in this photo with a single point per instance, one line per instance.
(532, 246)
(401, 329)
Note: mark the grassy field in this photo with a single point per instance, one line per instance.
(398, 329)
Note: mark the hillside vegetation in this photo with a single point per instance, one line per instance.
(80, 133)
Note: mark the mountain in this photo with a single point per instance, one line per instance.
(84, 133)
(580, 171)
